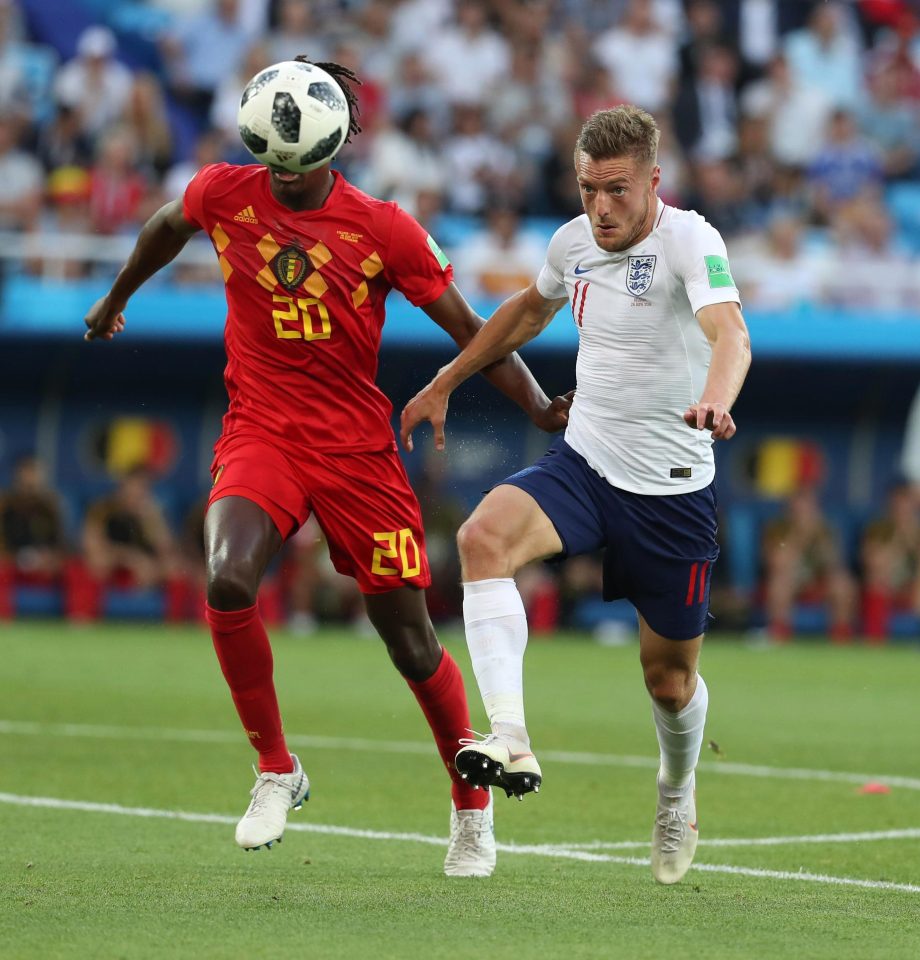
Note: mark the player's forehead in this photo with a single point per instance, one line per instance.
(602, 170)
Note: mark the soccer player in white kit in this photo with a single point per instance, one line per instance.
(663, 352)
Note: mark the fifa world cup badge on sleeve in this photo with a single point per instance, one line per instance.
(718, 272)
(439, 254)
(639, 274)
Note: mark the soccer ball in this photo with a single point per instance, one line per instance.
(293, 116)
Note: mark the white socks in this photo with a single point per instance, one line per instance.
(680, 738)
(496, 634)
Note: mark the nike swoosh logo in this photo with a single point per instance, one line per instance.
(514, 757)
(578, 272)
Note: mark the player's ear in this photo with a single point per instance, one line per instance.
(656, 176)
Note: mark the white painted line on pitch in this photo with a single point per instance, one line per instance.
(910, 833)
(541, 850)
(110, 732)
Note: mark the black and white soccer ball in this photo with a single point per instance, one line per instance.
(293, 116)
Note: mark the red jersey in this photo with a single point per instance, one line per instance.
(305, 297)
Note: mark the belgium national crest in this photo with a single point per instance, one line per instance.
(290, 267)
(639, 273)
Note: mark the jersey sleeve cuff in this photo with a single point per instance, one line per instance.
(716, 296)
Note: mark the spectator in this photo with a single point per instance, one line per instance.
(890, 555)
(705, 29)
(500, 260)
(32, 541)
(804, 562)
(313, 589)
(63, 143)
(378, 57)
(706, 108)
(846, 167)
(405, 159)
(469, 59)
(560, 196)
(890, 122)
(191, 563)
(639, 39)
(296, 32)
(775, 270)
(896, 52)
(413, 89)
(117, 190)
(478, 166)
(26, 69)
(21, 179)
(415, 22)
(145, 115)
(757, 169)
(527, 105)
(194, 71)
(94, 83)
(789, 107)
(673, 185)
(127, 543)
(717, 192)
(826, 55)
(68, 190)
(593, 88)
(873, 269)
(208, 148)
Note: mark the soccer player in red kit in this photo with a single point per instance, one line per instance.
(307, 261)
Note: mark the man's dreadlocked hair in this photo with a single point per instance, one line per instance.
(344, 78)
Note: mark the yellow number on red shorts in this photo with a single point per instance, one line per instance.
(397, 543)
(308, 324)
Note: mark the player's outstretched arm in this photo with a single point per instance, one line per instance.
(509, 374)
(159, 242)
(731, 357)
(517, 321)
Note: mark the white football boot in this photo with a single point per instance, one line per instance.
(471, 849)
(674, 836)
(273, 797)
(501, 761)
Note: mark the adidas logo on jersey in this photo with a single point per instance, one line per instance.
(247, 216)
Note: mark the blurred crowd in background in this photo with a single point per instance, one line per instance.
(792, 126)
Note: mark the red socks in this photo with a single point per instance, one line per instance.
(442, 698)
(245, 657)
(876, 614)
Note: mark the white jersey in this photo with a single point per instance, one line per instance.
(642, 355)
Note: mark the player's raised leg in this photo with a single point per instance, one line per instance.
(401, 618)
(240, 540)
(507, 530)
(679, 702)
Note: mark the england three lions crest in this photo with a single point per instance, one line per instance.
(639, 273)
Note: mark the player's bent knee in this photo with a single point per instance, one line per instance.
(415, 654)
(670, 687)
(231, 587)
(480, 542)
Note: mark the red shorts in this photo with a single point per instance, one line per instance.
(362, 501)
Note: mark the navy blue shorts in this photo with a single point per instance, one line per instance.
(660, 550)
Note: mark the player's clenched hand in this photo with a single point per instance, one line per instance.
(103, 320)
(555, 415)
(428, 404)
(711, 416)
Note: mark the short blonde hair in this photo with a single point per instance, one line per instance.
(621, 131)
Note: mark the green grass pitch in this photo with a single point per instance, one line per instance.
(795, 859)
